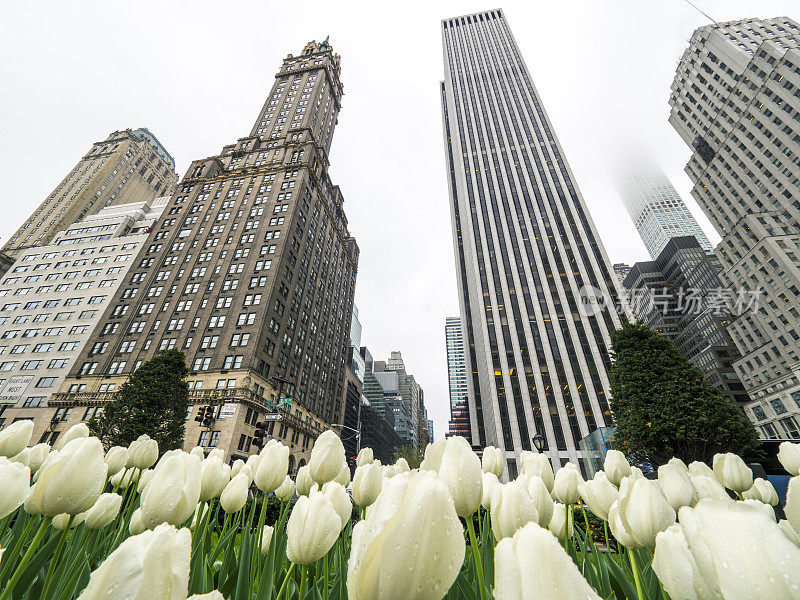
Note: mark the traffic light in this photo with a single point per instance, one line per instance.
(258, 436)
(205, 416)
(200, 414)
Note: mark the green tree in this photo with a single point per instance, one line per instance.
(663, 407)
(153, 401)
(412, 455)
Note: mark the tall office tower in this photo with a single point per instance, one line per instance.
(525, 248)
(350, 420)
(656, 208)
(251, 272)
(678, 295)
(735, 102)
(408, 388)
(621, 270)
(128, 166)
(456, 360)
(50, 303)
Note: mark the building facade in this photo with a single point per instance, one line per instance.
(621, 270)
(679, 295)
(397, 383)
(51, 301)
(735, 101)
(251, 272)
(656, 208)
(128, 166)
(526, 249)
(456, 360)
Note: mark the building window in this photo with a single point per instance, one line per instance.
(777, 406)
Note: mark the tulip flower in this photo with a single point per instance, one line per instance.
(618, 529)
(792, 507)
(253, 461)
(174, 491)
(762, 490)
(62, 521)
(312, 529)
(327, 457)
(104, 511)
(565, 488)
(272, 467)
(490, 480)
(364, 457)
(234, 496)
(558, 522)
(116, 458)
(460, 470)
(343, 477)
(512, 508)
(15, 478)
(123, 479)
(708, 487)
(285, 490)
(676, 485)
(339, 499)
(539, 465)
(677, 569)
(198, 514)
(389, 471)
(599, 494)
(236, 467)
(215, 595)
(765, 508)
(22, 458)
(732, 472)
(214, 476)
(433, 456)
(616, 467)
(266, 539)
(701, 468)
(492, 461)
(542, 499)
(51, 457)
(135, 527)
(142, 453)
(393, 556)
(677, 462)
(73, 480)
(402, 465)
(144, 480)
(217, 452)
(740, 550)
(644, 510)
(15, 437)
(199, 452)
(303, 481)
(37, 456)
(152, 564)
(367, 484)
(789, 532)
(532, 565)
(788, 455)
(81, 430)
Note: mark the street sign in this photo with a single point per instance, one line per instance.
(273, 417)
(285, 401)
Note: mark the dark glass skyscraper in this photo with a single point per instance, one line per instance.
(527, 253)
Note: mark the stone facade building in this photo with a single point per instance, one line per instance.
(128, 166)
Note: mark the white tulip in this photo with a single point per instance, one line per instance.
(765, 508)
(37, 456)
(677, 462)
(542, 499)
(144, 480)
(789, 532)
(234, 496)
(532, 565)
(116, 458)
(199, 513)
(62, 521)
(73, 480)
(199, 452)
(173, 493)
(51, 457)
(367, 484)
(732, 472)
(218, 452)
(312, 529)
(677, 569)
(253, 461)
(492, 461)
(343, 477)
(762, 490)
(389, 471)
(644, 510)
(708, 487)
(392, 556)
(15, 437)
(122, 479)
(460, 470)
(327, 457)
(512, 508)
(81, 430)
(401, 464)
(433, 456)
(22, 458)
(618, 529)
(364, 457)
(215, 595)
(104, 511)
(533, 463)
(676, 485)
(266, 539)
(565, 488)
(135, 527)
(599, 494)
(340, 501)
(15, 478)
(285, 490)
(788, 455)
(490, 481)
(303, 481)
(792, 507)
(214, 476)
(272, 467)
(616, 467)
(236, 467)
(153, 564)
(558, 522)
(142, 453)
(701, 468)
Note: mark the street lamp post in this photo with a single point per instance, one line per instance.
(358, 434)
(538, 442)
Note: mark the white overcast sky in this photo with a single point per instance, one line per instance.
(196, 74)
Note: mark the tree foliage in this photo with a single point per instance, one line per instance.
(663, 407)
(412, 455)
(154, 401)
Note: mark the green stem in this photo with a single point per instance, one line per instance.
(283, 585)
(605, 531)
(26, 559)
(586, 520)
(56, 556)
(476, 557)
(325, 577)
(303, 581)
(13, 552)
(636, 579)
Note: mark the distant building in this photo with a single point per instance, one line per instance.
(395, 383)
(622, 270)
(350, 423)
(456, 360)
(459, 420)
(6, 260)
(378, 434)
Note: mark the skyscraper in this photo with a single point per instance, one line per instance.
(734, 101)
(128, 166)
(656, 208)
(251, 272)
(456, 360)
(526, 249)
